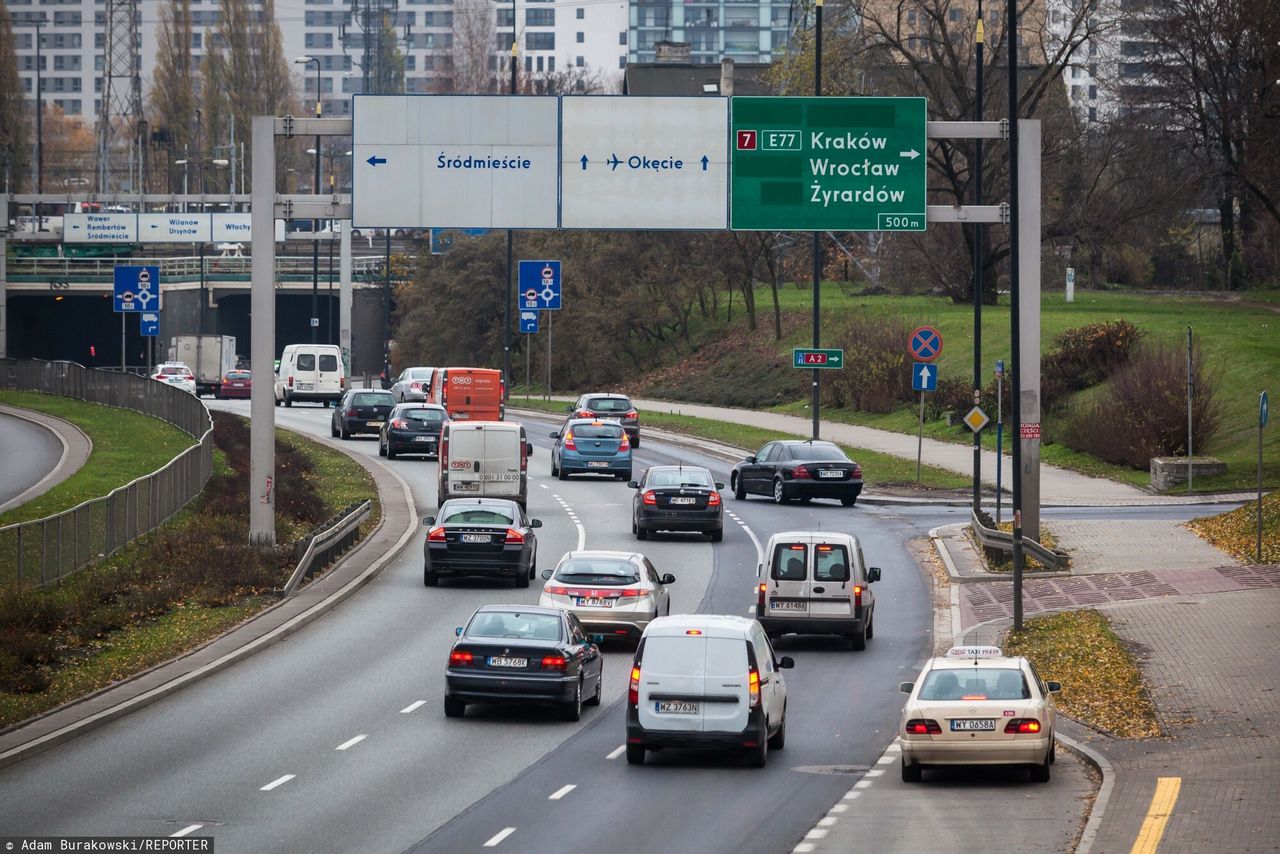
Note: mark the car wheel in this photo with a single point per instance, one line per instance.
(1053, 749)
(382, 450)
(1040, 773)
(779, 738)
(779, 492)
(635, 443)
(849, 500)
(572, 710)
(430, 579)
(277, 401)
(635, 754)
(871, 625)
(333, 431)
(624, 476)
(562, 474)
(453, 707)
(910, 771)
(288, 401)
(599, 694)
(391, 455)
(739, 492)
(717, 535)
(522, 579)
(858, 640)
(758, 756)
(555, 470)
(342, 431)
(641, 533)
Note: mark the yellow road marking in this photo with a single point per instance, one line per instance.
(1157, 815)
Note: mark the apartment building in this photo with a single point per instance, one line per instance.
(742, 30)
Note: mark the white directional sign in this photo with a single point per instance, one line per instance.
(644, 163)
(233, 227)
(174, 228)
(100, 228)
(455, 161)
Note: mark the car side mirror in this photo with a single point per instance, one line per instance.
(554, 435)
(546, 573)
(597, 639)
(906, 687)
(633, 484)
(568, 409)
(750, 459)
(668, 579)
(719, 485)
(873, 574)
(786, 662)
(458, 631)
(535, 523)
(1054, 687)
(429, 521)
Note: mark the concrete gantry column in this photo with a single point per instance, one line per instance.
(1029, 254)
(4, 276)
(344, 294)
(262, 426)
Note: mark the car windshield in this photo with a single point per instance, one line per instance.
(608, 404)
(476, 516)
(817, 451)
(514, 624)
(420, 374)
(598, 571)
(373, 398)
(977, 683)
(432, 415)
(680, 477)
(596, 431)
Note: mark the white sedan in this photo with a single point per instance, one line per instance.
(175, 374)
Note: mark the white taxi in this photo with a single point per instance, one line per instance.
(176, 374)
(977, 706)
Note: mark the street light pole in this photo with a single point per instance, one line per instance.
(977, 271)
(39, 110)
(315, 223)
(506, 310)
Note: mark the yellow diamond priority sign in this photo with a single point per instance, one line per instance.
(976, 419)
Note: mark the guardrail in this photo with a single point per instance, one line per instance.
(42, 551)
(994, 538)
(185, 269)
(327, 544)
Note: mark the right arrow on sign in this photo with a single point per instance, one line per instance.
(910, 154)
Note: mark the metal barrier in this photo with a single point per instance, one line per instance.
(42, 551)
(178, 269)
(995, 539)
(328, 544)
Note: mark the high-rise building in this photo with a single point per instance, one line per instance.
(744, 31)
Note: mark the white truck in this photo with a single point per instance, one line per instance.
(209, 357)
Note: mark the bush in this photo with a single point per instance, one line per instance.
(1142, 412)
(1084, 357)
(953, 395)
(877, 376)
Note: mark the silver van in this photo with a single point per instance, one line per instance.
(816, 582)
(484, 459)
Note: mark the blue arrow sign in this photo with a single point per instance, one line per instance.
(137, 289)
(924, 377)
(375, 160)
(584, 162)
(529, 322)
(149, 325)
(705, 161)
(539, 286)
(1263, 410)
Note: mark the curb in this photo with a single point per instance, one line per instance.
(939, 542)
(1099, 808)
(55, 475)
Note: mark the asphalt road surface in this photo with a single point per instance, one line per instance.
(29, 452)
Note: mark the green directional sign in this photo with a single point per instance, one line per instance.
(817, 358)
(828, 164)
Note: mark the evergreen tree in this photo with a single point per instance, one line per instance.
(14, 146)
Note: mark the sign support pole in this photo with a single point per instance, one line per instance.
(1190, 393)
(122, 345)
(1259, 544)
(817, 240)
(977, 270)
(262, 448)
(999, 440)
(528, 363)
(550, 316)
(920, 438)
(1015, 155)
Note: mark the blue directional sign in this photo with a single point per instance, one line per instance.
(149, 324)
(1263, 410)
(924, 377)
(539, 286)
(137, 289)
(529, 322)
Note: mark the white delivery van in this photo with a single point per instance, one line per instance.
(484, 458)
(706, 681)
(310, 372)
(816, 582)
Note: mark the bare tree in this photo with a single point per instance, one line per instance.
(173, 86)
(474, 47)
(14, 146)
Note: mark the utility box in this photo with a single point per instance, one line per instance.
(209, 357)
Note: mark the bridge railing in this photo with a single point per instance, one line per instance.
(184, 269)
(42, 551)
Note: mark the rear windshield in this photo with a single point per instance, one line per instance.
(789, 562)
(608, 404)
(680, 477)
(513, 624)
(420, 374)
(373, 398)
(978, 683)
(431, 415)
(238, 375)
(597, 431)
(817, 451)
(477, 516)
(328, 362)
(600, 572)
(830, 563)
(172, 370)
(306, 361)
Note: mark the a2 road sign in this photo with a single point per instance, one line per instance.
(817, 358)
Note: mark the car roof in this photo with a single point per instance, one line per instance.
(613, 421)
(524, 609)
(711, 625)
(813, 537)
(482, 501)
(680, 468)
(616, 555)
(790, 442)
(612, 394)
(1003, 662)
(420, 405)
(172, 365)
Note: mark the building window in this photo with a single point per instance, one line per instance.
(551, 63)
(580, 62)
(1093, 93)
(506, 17)
(581, 37)
(195, 41)
(1093, 114)
(622, 62)
(540, 41)
(953, 15)
(911, 17)
(582, 13)
(622, 38)
(540, 17)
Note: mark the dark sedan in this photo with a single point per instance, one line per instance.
(485, 537)
(361, 410)
(412, 428)
(677, 498)
(523, 654)
(794, 469)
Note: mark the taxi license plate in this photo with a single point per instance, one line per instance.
(775, 605)
(597, 464)
(374, 423)
(684, 500)
(979, 725)
(594, 603)
(675, 707)
(505, 661)
(476, 538)
(829, 473)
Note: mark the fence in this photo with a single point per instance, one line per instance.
(42, 551)
(363, 268)
(327, 544)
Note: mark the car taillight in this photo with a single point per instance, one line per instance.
(350, 413)
(342, 382)
(290, 382)
(569, 444)
(1019, 726)
(625, 444)
(922, 726)
(460, 658)
(416, 386)
(514, 536)
(582, 413)
(713, 500)
(556, 590)
(399, 424)
(633, 690)
(649, 497)
(436, 535)
(753, 684)
(633, 593)
(158, 377)
(632, 414)
(760, 593)
(857, 595)
(800, 472)
(555, 662)
(857, 472)
(444, 451)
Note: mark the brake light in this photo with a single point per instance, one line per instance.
(693, 631)
(569, 444)
(857, 472)
(922, 726)
(399, 423)
(342, 382)
(290, 382)
(556, 590)
(633, 690)
(632, 414)
(555, 662)
(753, 684)
(1019, 726)
(649, 497)
(582, 413)
(713, 500)
(625, 444)
(800, 473)
(350, 413)
(514, 536)
(416, 386)
(460, 658)
(760, 592)
(436, 535)
(444, 451)
(857, 595)
(974, 697)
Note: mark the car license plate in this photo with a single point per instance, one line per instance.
(684, 499)
(506, 661)
(476, 538)
(979, 725)
(424, 438)
(466, 486)
(675, 707)
(597, 464)
(374, 423)
(589, 602)
(237, 385)
(829, 473)
(776, 605)
(306, 386)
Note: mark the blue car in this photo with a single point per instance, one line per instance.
(591, 445)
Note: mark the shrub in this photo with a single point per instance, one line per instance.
(1142, 412)
(953, 395)
(1085, 356)
(877, 375)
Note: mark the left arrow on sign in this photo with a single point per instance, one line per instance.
(375, 160)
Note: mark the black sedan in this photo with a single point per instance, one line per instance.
(361, 410)
(801, 470)
(412, 428)
(485, 537)
(523, 654)
(677, 498)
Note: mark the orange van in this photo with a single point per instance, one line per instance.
(469, 394)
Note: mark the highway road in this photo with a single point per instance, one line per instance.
(335, 739)
(29, 452)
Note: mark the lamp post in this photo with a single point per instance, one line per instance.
(186, 159)
(511, 288)
(315, 223)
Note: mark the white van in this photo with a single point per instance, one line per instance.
(706, 681)
(484, 458)
(816, 582)
(310, 372)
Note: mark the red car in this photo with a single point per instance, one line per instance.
(236, 384)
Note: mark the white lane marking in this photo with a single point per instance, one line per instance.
(614, 754)
(851, 795)
(885, 760)
(278, 782)
(351, 742)
(751, 612)
(413, 707)
(826, 821)
(190, 828)
(582, 532)
(496, 839)
(839, 808)
(561, 792)
(816, 833)
(804, 848)
(752, 534)
(875, 772)
(544, 486)
(862, 784)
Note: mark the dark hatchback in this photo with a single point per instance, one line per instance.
(677, 498)
(615, 406)
(480, 537)
(412, 428)
(361, 410)
(802, 470)
(523, 654)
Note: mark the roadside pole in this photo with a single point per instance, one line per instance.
(1015, 318)
(1190, 394)
(817, 242)
(977, 269)
(1262, 422)
(999, 434)
(919, 438)
(547, 396)
(122, 347)
(262, 305)
(345, 295)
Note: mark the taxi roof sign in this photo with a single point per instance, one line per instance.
(975, 652)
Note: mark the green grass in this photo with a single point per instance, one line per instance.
(126, 445)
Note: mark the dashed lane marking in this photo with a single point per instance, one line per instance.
(618, 751)
(561, 792)
(190, 828)
(496, 839)
(412, 707)
(351, 742)
(280, 781)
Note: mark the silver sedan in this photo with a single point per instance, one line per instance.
(413, 384)
(614, 594)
